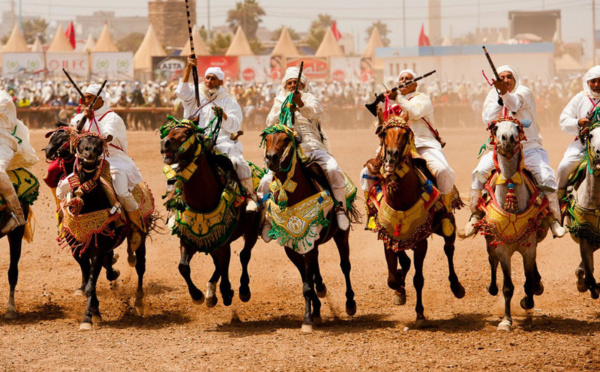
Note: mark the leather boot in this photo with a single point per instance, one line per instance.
(252, 203)
(557, 229)
(17, 218)
(476, 214)
(447, 226)
(138, 227)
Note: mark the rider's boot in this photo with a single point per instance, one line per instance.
(341, 214)
(17, 218)
(476, 214)
(447, 226)
(557, 229)
(138, 227)
(252, 204)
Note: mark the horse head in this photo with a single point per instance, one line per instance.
(91, 148)
(506, 134)
(280, 142)
(59, 145)
(179, 140)
(397, 139)
(593, 149)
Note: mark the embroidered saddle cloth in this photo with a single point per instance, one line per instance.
(26, 186)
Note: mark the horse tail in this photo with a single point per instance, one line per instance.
(354, 214)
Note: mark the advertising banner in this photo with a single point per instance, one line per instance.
(112, 66)
(77, 64)
(229, 65)
(21, 63)
(255, 69)
(168, 68)
(315, 68)
(345, 69)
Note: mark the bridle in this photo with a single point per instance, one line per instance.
(400, 123)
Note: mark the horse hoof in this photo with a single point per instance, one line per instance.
(307, 328)
(211, 301)
(458, 290)
(322, 292)
(527, 303)
(114, 275)
(245, 295)
(115, 258)
(227, 300)
(595, 293)
(505, 325)
(139, 310)
(79, 292)
(493, 290)
(131, 260)
(85, 327)
(540, 289)
(420, 322)
(399, 298)
(96, 319)
(211, 296)
(351, 308)
(10, 314)
(317, 320)
(581, 287)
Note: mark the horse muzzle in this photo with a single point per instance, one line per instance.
(272, 161)
(168, 151)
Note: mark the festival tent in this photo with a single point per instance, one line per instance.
(89, 44)
(239, 45)
(374, 43)
(200, 47)
(37, 46)
(150, 47)
(329, 46)
(105, 42)
(16, 42)
(60, 43)
(285, 45)
(566, 63)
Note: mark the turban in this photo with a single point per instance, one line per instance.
(215, 71)
(292, 73)
(514, 73)
(593, 73)
(93, 89)
(414, 75)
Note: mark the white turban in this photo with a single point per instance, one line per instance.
(593, 73)
(94, 89)
(292, 73)
(215, 71)
(514, 73)
(414, 75)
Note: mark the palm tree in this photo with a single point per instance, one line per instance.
(35, 28)
(277, 33)
(219, 43)
(383, 32)
(246, 14)
(318, 27)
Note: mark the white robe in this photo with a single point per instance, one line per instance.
(17, 151)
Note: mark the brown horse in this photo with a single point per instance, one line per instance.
(206, 187)
(281, 157)
(407, 186)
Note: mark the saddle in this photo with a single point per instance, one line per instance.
(317, 175)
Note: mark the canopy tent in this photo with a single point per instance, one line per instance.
(16, 42)
(329, 46)
(89, 44)
(285, 45)
(105, 42)
(239, 45)
(60, 43)
(37, 46)
(374, 43)
(150, 47)
(200, 47)
(566, 62)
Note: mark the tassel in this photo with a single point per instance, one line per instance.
(511, 203)
(282, 199)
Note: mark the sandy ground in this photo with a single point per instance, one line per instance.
(264, 334)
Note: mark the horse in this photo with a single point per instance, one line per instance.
(60, 155)
(305, 189)
(514, 219)
(582, 206)
(406, 209)
(93, 223)
(209, 210)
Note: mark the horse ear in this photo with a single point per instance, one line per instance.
(108, 138)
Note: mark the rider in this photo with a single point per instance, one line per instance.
(518, 102)
(15, 152)
(573, 119)
(125, 174)
(419, 108)
(315, 144)
(212, 97)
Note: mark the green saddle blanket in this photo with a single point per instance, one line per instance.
(26, 185)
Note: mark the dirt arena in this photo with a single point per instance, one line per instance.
(562, 332)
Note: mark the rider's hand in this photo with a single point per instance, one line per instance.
(392, 94)
(87, 113)
(583, 122)
(501, 86)
(224, 115)
(192, 61)
(297, 99)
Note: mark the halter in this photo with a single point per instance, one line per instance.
(493, 127)
(72, 132)
(395, 121)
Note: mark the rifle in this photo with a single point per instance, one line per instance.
(73, 82)
(297, 86)
(489, 58)
(193, 54)
(379, 98)
(84, 119)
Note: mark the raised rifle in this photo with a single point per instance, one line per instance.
(297, 86)
(193, 54)
(379, 98)
(73, 82)
(84, 119)
(489, 58)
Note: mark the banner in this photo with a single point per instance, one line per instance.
(112, 66)
(77, 64)
(168, 68)
(315, 68)
(229, 65)
(255, 68)
(21, 63)
(345, 69)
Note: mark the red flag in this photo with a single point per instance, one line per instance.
(423, 39)
(70, 34)
(336, 33)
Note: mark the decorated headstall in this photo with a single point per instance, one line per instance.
(396, 121)
(592, 159)
(192, 140)
(493, 127)
(76, 137)
(72, 132)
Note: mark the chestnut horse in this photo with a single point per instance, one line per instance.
(202, 186)
(282, 158)
(405, 188)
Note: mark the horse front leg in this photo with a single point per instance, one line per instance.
(320, 286)
(508, 287)
(419, 281)
(493, 260)
(140, 268)
(112, 274)
(15, 239)
(395, 277)
(211, 286)
(85, 266)
(341, 240)
(587, 257)
(223, 255)
(457, 289)
(245, 255)
(184, 270)
(580, 274)
(308, 290)
(533, 281)
(92, 310)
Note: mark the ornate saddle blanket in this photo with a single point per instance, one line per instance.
(505, 227)
(26, 186)
(585, 223)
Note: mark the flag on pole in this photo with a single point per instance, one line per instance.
(70, 34)
(336, 33)
(423, 39)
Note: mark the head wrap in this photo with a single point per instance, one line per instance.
(414, 75)
(593, 73)
(514, 73)
(215, 71)
(94, 89)
(292, 73)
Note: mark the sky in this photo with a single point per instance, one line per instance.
(458, 16)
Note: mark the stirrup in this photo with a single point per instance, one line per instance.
(251, 206)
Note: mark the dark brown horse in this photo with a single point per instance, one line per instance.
(282, 159)
(404, 187)
(201, 192)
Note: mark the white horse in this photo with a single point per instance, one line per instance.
(584, 227)
(512, 183)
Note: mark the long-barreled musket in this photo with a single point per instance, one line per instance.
(193, 53)
(496, 76)
(73, 82)
(372, 107)
(84, 119)
(297, 87)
